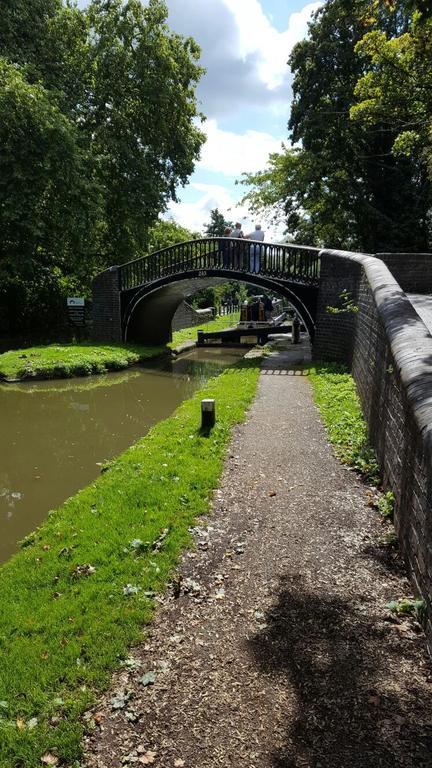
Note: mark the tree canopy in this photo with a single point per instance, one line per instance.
(355, 175)
(99, 125)
(167, 232)
(217, 224)
(396, 89)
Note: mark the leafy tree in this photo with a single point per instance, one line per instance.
(341, 185)
(217, 224)
(396, 91)
(282, 193)
(141, 117)
(423, 6)
(98, 127)
(24, 28)
(167, 232)
(369, 199)
(45, 230)
(230, 291)
(51, 43)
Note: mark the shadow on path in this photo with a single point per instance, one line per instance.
(359, 705)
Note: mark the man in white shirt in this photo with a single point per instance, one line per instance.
(258, 234)
(255, 250)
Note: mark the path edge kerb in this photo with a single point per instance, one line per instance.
(388, 348)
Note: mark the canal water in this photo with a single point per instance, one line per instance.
(55, 435)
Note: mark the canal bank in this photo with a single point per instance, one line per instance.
(56, 435)
(62, 361)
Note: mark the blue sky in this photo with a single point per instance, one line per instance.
(245, 94)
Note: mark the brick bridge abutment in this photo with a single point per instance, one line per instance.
(107, 325)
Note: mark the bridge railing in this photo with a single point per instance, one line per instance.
(296, 262)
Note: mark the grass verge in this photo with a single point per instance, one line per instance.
(65, 360)
(80, 590)
(336, 397)
(190, 334)
(58, 361)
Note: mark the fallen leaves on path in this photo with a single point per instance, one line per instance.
(148, 758)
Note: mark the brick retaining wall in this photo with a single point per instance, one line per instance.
(412, 271)
(186, 317)
(335, 332)
(389, 350)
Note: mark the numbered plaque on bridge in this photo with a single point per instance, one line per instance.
(76, 311)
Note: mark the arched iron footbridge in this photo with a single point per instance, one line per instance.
(138, 299)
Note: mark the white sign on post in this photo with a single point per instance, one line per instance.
(76, 311)
(75, 301)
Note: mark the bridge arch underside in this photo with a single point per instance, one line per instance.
(147, 311)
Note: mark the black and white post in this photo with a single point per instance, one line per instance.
(208, 414)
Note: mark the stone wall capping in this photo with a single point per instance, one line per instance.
(419, 385)
(405, 358)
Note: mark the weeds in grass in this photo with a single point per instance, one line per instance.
(386, 505)
(391, 539)
(346, 304)
(336, 397)
(406, 606)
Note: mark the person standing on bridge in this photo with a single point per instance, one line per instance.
(225, 248)
(255, 249)
(237, 234)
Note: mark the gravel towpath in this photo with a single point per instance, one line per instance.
(276, 648)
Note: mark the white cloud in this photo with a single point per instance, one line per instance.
(234, 153)
(258, 36)
(244, 54)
